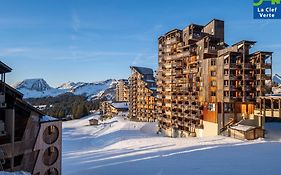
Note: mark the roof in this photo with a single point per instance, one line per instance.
(23, 104)
(244, 41)
(120, 105)
(213, 20)
(13, 92)
(172, 31)
(243, 127)
(143, 70)
(271, 96)
(4, 68)
(149, 81)
(261, 52)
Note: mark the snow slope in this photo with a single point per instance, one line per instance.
(122, 147)
(38, 88)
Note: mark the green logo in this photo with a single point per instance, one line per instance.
(273, 2)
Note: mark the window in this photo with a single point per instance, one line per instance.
(213, 73)
(225, 83)
(211, 107)
(228, 107)
(213, 62)
(226, 72)
(213, 83)
(226, 93)
(213, 94)
(226, 61)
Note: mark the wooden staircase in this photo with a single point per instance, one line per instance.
(228, 125)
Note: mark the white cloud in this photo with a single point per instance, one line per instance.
(75, 21)
(13, 51)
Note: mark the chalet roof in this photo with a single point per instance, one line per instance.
(4, 68)
(143, 70)
(12, 91)
(23, 104)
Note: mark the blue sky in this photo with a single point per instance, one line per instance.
(92, 40)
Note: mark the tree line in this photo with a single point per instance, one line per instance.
(66, 105)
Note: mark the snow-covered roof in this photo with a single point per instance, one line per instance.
(143, 70)
(150, 81)
(243, 127)
(46, 118)
(120, 105)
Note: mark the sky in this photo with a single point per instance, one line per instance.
(94, 40)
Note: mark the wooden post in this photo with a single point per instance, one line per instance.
(10, 121)
(279, 106)
(272, 107)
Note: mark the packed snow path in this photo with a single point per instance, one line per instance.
(119, 147)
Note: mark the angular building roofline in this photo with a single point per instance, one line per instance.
(142, 70)
(4, 68)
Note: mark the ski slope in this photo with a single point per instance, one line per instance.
(119, 147)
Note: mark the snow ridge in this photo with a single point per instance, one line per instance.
(38, 88)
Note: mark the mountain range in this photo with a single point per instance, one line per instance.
(38, 88)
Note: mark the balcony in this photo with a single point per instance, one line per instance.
(168, 97)
(248, 77)
(210, 50)
(167, 66)
(233, 77)
(194, 36)
(248, 66)
(263, 65)
(248, 98)
(248, 88)
(263, 76)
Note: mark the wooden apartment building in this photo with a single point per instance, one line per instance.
(205, 86)
(113, 108)
(29, 140)
(142, 92)
(122, 90)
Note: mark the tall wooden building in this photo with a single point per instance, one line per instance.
(142, 91)
(29, 140)
(122, 90)
(203, 85)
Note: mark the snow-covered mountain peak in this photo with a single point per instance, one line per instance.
(37, 88)
(36, 84)
(276, 79)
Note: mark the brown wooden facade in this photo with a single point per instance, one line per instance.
(142, 89)
(122, 91)
(204, 83)
(29, 141)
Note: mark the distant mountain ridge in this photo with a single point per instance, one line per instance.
(38, 88)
